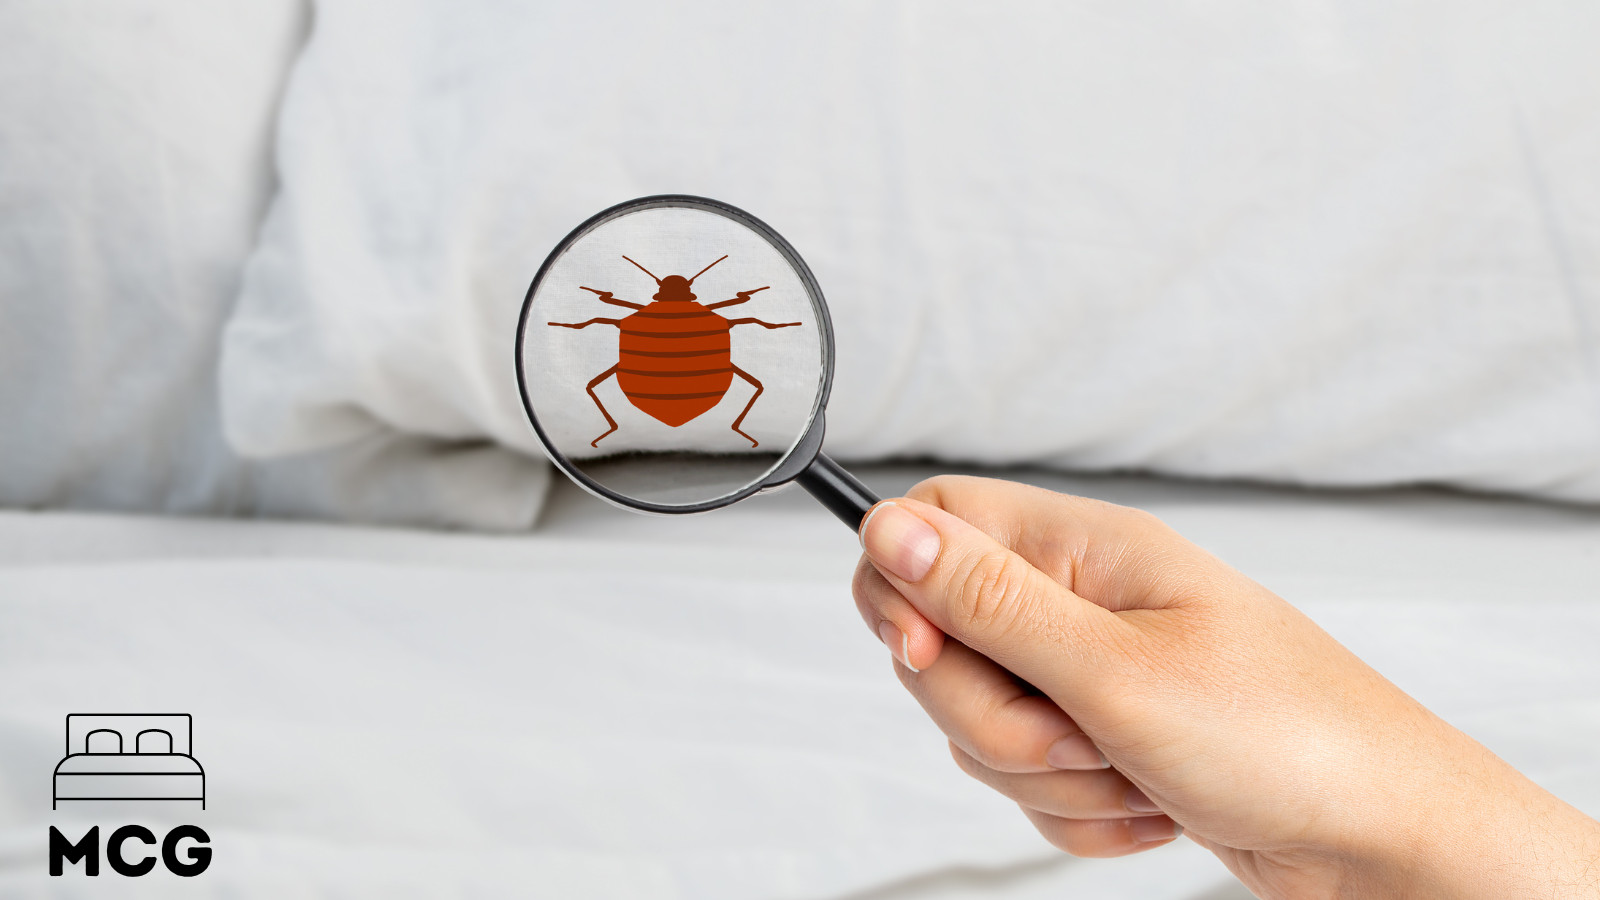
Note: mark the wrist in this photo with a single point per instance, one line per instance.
(1490, 833)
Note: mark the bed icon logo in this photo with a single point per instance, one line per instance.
(137, 757)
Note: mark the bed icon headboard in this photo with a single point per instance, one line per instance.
(105, 733)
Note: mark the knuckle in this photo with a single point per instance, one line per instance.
(1061, 834)
(964, 760)
(929, 490)
(1138, 516)
(1078, 837)
(1146, 524)
(975, 759)
(991, 752)
(993, 592)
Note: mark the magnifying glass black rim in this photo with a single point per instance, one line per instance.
(809, 440)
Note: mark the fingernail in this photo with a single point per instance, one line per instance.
(898, 642)
(1136, 801)
(899, 541)
(1150, 829)
(1075, 752)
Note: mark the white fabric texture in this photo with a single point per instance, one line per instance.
(135, 168)
(1348, 245)
(618, 706)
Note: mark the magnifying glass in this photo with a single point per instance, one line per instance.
(674, 355)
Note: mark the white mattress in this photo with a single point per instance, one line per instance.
(621, 706)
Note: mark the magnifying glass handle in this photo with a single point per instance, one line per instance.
(838, 490)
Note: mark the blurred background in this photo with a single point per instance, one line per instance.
(263, 261)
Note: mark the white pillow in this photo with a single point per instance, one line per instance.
(1349, 245)
(135, 167)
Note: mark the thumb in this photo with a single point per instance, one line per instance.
(988, 597)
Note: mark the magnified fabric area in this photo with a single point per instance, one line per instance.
(672, 355)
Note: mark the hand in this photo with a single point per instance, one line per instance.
(1086, 635)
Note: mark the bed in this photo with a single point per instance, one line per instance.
(625, 706)
(128, 757)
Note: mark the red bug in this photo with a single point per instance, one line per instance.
(673, 359)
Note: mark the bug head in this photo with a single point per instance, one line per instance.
(674, 287)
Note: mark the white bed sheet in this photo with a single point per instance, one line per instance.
(620, 706)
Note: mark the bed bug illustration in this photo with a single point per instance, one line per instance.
(674, 361)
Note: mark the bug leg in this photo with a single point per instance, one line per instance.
(596, 397)
(733, 322)
(605, 297)
(617, 322)
(750, 378)
(743, 296)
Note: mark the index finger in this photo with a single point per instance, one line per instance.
(981, 593)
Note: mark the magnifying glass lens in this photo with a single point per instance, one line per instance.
(674, 355)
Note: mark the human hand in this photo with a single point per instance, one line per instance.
(1218, 705)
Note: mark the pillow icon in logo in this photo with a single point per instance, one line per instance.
(128, 757)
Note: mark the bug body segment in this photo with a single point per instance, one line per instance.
(674, 360)
(674, 355)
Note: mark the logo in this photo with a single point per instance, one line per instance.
(136, 758)
(128, 757)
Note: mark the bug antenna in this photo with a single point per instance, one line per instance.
(708, 268)
(646, 271)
